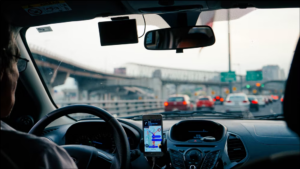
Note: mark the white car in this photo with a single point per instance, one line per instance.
(237, 102)
(261, 101)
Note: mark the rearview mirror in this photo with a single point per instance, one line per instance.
(179, 38)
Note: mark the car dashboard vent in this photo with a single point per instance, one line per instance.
(47, 131)
(236, 149)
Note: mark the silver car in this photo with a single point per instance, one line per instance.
(237, 103)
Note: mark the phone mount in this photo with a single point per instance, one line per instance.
(163, 146)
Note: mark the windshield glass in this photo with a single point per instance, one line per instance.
(204, 98)
(176, 99)
(237, 98)
(129, 80)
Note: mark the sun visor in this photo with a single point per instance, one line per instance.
(118, 32)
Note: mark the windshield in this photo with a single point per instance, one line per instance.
(204, 98)
(176, 99)
(236, 98)
(129, 80)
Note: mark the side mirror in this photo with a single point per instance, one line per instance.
(179, 38)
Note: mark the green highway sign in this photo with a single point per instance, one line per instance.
(228, 77)
(254, 76)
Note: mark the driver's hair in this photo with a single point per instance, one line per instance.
(9, 49)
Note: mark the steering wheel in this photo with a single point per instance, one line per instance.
(86, 156)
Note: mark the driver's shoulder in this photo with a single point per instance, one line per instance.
(9, 137)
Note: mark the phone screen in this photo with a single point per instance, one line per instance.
(152, 135)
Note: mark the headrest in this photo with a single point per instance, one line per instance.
(291, 107)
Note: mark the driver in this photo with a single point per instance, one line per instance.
(20, 149)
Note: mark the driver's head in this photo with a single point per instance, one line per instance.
(8, 69)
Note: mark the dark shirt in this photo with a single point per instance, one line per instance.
(29, 151)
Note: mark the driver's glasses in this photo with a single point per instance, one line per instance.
(22, 64)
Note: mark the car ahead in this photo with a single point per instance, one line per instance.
(205, 102)
(254, 106)
(218, 100)
(269, 99)
(266, 100)
(281, 99)
(178, 102)
(261, 101)
(237, 102)
(275, 97)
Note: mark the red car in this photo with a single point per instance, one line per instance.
(178, 102)
(205, 102)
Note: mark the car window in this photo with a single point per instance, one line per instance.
(251, 98)
(203, 99)
(176, 99)
(237, 98)
(129, 80)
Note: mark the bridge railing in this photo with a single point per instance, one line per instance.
(118, 108)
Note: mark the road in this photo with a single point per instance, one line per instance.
(271, 109)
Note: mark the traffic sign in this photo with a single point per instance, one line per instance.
(213, 92)
(228, 77)
(234, 88)
(254, 91)
(227, 91)
(254, 75)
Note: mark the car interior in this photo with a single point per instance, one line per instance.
(236, 143)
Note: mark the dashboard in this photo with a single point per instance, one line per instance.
(98, 135)
(190, 143)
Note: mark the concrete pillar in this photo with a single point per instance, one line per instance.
(83, 95)
(177, 88)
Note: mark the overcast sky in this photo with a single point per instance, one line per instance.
(262, 37)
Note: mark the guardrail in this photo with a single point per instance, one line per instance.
(120, 107)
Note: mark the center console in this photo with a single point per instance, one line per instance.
(196, 144)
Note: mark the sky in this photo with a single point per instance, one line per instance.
(262, 37)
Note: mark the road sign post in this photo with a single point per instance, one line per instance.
(254, 76)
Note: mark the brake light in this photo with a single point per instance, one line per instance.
(228, 101)
(221, 99)
(281, 99)
(184, 103)
(217, 97)
(166, 103)
(245, 101)
(214, 100)
(254, 102)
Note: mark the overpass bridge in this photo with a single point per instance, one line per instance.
(55, 70)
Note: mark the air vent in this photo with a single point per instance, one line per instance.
(47, 131)
(236, 149)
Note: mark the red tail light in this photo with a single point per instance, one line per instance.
(184, 103)
(166, 103)
(254, 102)
(214, 100)
(281, 99)
(245, 101)
(228, 101)
(217, 97)
(221, 99)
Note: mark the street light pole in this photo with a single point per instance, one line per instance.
(229, 49)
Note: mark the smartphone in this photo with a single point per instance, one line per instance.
(153, 137)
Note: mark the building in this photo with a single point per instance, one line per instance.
(282, 75)
(271, 72)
